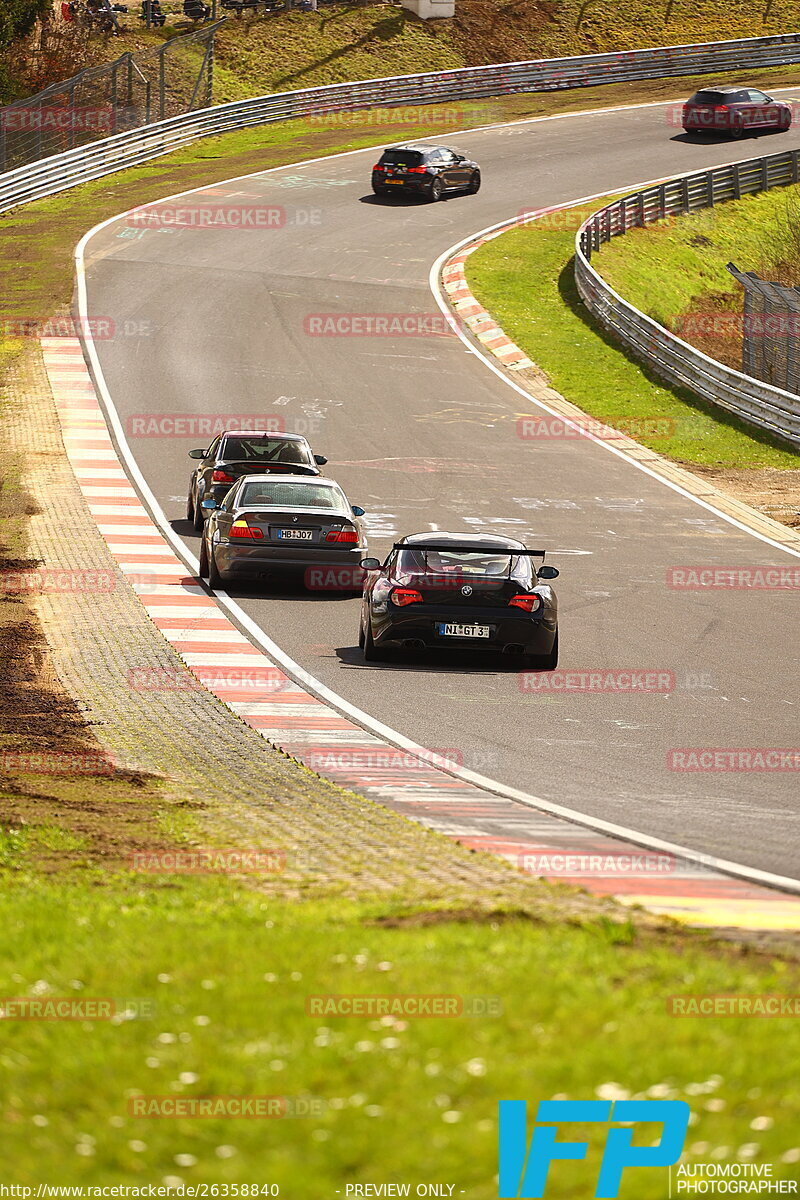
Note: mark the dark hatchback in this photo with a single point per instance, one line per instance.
(430, 171)
(734, 111)
(281, 524)
(463, 592)
(236, 453)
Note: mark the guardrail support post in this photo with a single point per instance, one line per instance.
(114, 98)
(795, 175)
(685, 196)
(162, 84)
(737, 182)
(710, 188)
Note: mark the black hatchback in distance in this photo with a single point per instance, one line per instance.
(430, 171)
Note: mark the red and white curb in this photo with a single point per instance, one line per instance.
(317, 735)
(478, 321)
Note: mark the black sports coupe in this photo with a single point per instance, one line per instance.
(463, 592)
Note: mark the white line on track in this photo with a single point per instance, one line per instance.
(294, 669)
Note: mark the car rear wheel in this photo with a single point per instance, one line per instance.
(215, 580)
(436, 190)
(474, 183)
(380, 191)
(737, 130)
(543, 662)
(197, 520)
(202, 569)
(371, 652)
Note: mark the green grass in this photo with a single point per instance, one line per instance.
(671, 267)
(228, 973)
(525, 279)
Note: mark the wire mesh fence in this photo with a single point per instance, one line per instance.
(134, 90)
(770, 330)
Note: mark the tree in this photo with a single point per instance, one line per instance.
(18, 17)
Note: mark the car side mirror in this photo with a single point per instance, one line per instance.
(370, 564)
(358, 511)
(320, 460)
(197, 453)
(209, 503)
(547, 572)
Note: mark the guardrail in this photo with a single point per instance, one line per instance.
(668, 356)
(62, 171)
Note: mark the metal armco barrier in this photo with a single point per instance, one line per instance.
(674, 360)
(62, 171)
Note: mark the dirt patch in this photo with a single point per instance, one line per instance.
(772, 492)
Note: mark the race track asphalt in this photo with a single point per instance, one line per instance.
(421, 434)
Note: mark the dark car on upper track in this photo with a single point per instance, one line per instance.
(280, 524)
(463, 592)
(734, 110)
(430, 171)
(238, 452)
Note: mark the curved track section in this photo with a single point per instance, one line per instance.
(422, 435)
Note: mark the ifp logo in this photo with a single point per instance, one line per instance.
(523, 1171)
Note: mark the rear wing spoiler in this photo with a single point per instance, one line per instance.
(513, 552)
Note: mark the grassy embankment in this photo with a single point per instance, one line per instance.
(525, 279)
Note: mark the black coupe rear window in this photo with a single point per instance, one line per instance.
(483, 564)
(236, 449)
(402, 158)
